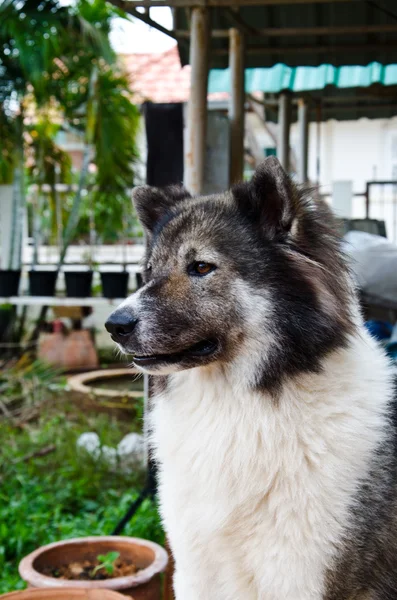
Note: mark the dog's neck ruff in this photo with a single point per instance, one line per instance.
(256, 494)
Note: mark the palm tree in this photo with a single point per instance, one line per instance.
(59, 59)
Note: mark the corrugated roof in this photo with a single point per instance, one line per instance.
(304, 33)
(342, 93)
(304, 79)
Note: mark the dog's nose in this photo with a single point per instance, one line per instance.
(120, 324)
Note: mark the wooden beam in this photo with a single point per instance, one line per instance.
(303, 158)
(359, 107)
(236, 106)
(130, 8)
(195, 146)
(300, 31)
(284, 126)
(330, 102)
(225, 3)
(238, 22)
(338, 99)
(254, 32)
(327, 49)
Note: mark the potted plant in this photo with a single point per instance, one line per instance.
(78, 282)
(115, 282)
(10, 272)
(35, 77)
(41, 75)
(49, 165)
(42, 282)
(125, 564)
(63, 594)
(9, 282)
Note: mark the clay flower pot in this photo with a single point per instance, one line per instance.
(144, 585)
(63, 594)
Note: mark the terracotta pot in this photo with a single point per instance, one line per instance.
(145, 585)
(63, 594)
(79, 351)
(72, 352)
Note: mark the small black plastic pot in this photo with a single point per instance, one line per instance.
(9, 283)
(42, 283)
(78, 283)
(115, 284)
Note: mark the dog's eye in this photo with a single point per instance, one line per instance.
(200, 268)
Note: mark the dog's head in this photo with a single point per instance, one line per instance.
(253, 278)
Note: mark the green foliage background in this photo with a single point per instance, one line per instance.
(48, 52)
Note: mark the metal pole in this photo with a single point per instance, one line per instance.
(367, 199)
(195, 146)
(284, 123)
(236, 106)
(318, 143)
(303, 121)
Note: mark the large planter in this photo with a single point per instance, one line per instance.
(144, 585)
(72, 352)
(63, 594)
(9, 283)
(114, 284)
(78, 283)
(42, 282)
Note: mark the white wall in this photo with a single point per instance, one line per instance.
(359, 151)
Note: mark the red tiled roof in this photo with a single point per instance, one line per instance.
(160, 77)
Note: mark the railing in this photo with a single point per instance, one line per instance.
(381, 204)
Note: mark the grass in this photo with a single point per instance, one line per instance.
(61, 495)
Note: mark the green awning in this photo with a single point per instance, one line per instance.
(305, 79)
(342, 93)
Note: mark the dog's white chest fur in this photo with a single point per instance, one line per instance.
(255, 494)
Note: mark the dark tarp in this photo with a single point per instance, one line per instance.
(164, 132)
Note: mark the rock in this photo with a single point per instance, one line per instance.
(129, 454)
(109, 455)
(90, 442)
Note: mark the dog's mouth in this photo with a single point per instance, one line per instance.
(202, 349)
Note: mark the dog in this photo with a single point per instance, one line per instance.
(272, 416)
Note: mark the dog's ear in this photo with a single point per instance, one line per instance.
(153, 203)
(269, 199)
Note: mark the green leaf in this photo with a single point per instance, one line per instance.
(106, 562)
